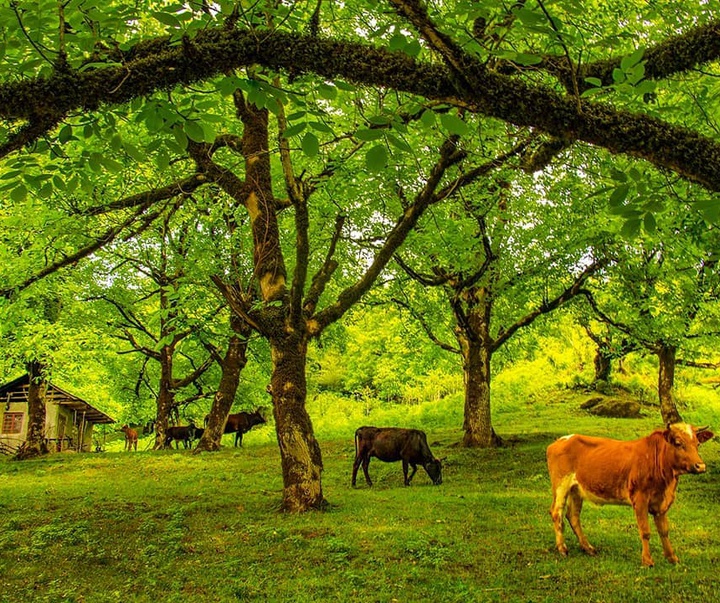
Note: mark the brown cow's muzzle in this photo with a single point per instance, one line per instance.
(698, 468)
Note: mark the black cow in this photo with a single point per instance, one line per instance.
(181, 433)
(391, 444)
(240, 423)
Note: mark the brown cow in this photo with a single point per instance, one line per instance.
(240, 423)
(641, 473)
(131, 437)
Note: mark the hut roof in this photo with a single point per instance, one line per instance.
(17, 391)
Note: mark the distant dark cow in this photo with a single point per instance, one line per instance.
(390, 444)
(131, 437)
(181, 433)
(240, 423)
(641, 473)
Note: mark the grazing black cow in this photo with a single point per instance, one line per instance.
(391, 444)
(181, 433)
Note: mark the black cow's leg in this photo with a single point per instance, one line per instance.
(405, 472)
(366, 464)
(409, 479)
(238, 438)
(356, 466)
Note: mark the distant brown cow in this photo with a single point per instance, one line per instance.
(131, 437)
(391, 444)
(641, 473)
(240, 423)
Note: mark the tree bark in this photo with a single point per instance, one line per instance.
(35, 444)
(666, 381)
(166, 397)
(232, 365)
(603, 365)
(300, 455)
(476, 349)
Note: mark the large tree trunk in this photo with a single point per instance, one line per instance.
(475, 346)
(299, 450)
(603, 365)
(233, 364)
(166, 398)
(666, 380)
(35, 443)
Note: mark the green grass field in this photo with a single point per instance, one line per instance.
(172, 527)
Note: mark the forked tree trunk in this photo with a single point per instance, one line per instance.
(35, 443)
(666, 381)
(166, 398)
(300, 455)
(233, 364)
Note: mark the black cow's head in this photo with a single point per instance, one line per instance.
(434, 470)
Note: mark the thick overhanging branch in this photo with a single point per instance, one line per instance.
(215, 51)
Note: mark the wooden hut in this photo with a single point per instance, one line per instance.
(69, 421)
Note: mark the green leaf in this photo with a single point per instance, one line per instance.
(594, 81)
(320, 127)
(294, 130)
(453, 124)
(529, 17)
(428, 118)
(523, 58)
(19, 193)
(310, 145)
(167, 19)
(399, 143)
(65, 134)
(376, 158)
(369, 135)
(631, 228)
(397, 42)
(619, 195)
(194, 131)
(649, 223)
(327, 91)
(632, 59)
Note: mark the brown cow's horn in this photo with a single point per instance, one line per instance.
(699, 429)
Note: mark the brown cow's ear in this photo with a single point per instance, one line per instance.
(704, 435)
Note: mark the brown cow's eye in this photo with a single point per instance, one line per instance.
(678, 443)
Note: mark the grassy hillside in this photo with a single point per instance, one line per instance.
(171, 526)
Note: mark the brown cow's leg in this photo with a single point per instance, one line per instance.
(641, 515)
(574, 507)
(560, 493)
(661, 523)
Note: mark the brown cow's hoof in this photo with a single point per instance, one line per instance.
(590, 550)
(563, 550)
(673, 559)
(648, 562)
